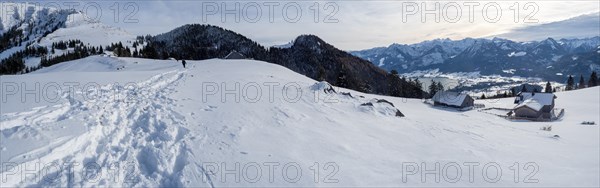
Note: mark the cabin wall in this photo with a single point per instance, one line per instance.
(468, 102)
(527, 112)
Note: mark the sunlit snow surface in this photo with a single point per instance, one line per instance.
(153, 123)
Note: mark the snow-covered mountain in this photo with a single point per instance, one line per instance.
(32, 25)
(154, 124)
(36, 22)
(312, 57)
(487, 56)
(308, 55)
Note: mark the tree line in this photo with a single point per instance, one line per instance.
(592, 81)
(15, 64)
(79, 50)
(570, 85)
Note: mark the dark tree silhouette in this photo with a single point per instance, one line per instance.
(581, 84)
(548, 88)
(570, 83)
(593, 81)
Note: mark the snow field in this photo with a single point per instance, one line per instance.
(205, 126)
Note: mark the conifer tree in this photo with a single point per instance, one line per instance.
(593, 81)
(433, 88)
(548, 88)
(581, 84)
(570, 83)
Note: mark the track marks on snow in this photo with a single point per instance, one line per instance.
(139, 133)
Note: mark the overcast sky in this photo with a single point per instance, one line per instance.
(349, 25)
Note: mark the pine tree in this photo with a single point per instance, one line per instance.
(418, 93)
(440, 87)
(126, 52)
(321, 76)
(395, 84)
(548, 88)
(482, 96)
(342, 79)
(433, 88)
(593, 81)
(581, 84)
(570, 83)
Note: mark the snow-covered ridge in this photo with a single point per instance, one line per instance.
(72, 24)
(284, 46)
(42, 26)
(23, 15)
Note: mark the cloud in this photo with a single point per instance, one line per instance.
(578, 27)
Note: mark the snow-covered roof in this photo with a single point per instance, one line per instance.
(542, 98)
(535, 101)
(450, 98)
(531, 103)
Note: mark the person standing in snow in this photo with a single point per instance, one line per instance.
(183, 62)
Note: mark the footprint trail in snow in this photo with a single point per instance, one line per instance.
(133, 137)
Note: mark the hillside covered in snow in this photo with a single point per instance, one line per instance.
(32, 27)
(238, 123)
(85, 104)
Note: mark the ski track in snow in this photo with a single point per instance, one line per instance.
(146, 134)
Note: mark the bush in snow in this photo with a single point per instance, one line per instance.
(547, 128)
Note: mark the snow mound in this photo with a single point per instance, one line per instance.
(323, 86)
(382, 107)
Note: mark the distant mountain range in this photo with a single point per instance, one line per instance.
(548, 59)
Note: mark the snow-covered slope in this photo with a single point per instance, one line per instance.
(42, 26)
(153, 123)
(90, 33)
(37, 21)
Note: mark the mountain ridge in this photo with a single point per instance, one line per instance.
(308, 55)
(472, 55)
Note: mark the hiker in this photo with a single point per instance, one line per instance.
(183, 62)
